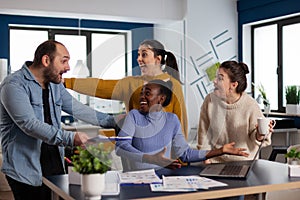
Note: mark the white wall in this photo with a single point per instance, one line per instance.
(208, 24)
(121, 10)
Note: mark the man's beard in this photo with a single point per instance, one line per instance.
(51, 76)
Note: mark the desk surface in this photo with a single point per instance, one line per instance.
(265, 176)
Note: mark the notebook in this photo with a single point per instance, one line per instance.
(236, 169)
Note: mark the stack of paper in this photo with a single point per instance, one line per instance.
(139, 177)
(168, 183)
(184, 184)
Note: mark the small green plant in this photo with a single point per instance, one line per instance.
(292, 94)
(91, 160)
(293, 154)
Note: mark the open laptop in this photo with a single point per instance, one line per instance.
(236, 169)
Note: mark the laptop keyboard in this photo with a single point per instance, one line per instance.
(231, 170)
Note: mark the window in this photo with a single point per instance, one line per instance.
(23, 44)
(77, 47)
(109, 66)
(104, 53)
(265, 62)
(290, 56)
(275, 58)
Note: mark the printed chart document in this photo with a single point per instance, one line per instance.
(139, 177)
(185, 184)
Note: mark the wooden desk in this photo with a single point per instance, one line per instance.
(281, 114)
(265, 176)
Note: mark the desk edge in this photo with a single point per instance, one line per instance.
(230, 192)
(56, 189)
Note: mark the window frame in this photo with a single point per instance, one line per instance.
(86, 32)
(280, 24)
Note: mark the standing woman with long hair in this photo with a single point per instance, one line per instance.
(155, 63)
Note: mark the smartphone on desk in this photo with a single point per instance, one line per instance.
(112, 183)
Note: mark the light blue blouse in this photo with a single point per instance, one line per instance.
(151, 133)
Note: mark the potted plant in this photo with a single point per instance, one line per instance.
(263, 96)
(92, 162)
(263, 93)
(292, 95)
(293, 160)
(293, 156)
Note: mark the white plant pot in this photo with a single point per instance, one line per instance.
(292, 109)
(291, 161)
(294, 170)
(267, 109)
(92, 185)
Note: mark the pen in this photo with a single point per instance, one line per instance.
(68, 160)
(139, 183)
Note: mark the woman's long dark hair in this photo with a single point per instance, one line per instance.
(168, 58)
(237, 73)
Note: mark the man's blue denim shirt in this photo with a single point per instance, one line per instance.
(23, 128)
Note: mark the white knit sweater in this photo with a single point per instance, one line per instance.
(222, 123)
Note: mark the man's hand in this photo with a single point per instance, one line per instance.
(161, 160)
(80, 138)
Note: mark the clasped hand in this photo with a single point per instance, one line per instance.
(160, 159)
(80, 138)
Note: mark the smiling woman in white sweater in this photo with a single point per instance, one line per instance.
(229, 114)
